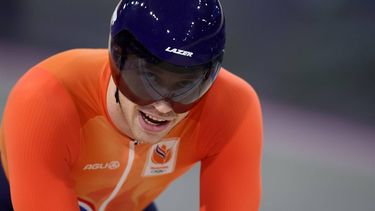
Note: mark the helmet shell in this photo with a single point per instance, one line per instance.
(180, 32)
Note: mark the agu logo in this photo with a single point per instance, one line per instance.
(162, 158)
(161, 154)
(112, 165)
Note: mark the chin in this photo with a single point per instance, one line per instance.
(151, 139)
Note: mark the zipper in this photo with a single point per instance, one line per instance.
(122, 180)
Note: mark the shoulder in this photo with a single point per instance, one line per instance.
(38, 87)
(82, 73)
(62, 81)
(230, 103)
(230, 95)
(74, 55)
(62, 70)
(40, 112)
(39, 104)
(228, 80)
(75, 61)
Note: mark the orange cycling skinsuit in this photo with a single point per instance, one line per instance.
(60, 149)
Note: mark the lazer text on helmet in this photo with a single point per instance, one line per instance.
(179, 51)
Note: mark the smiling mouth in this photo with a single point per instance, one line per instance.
(151, 120)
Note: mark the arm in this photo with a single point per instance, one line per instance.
(40, 127)
(231, 178)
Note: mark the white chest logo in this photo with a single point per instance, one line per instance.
(161, 158)
(179, 52)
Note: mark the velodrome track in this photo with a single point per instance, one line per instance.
(311, 162)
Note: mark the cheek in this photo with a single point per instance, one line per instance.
(180, 117)
(129, 108)
(133, 114)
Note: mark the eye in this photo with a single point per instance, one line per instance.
(130, 64)
(151, 76)
(183, 84)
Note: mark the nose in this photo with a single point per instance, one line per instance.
(162, 106)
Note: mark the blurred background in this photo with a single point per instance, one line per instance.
(312, 63)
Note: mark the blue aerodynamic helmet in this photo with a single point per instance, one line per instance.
(168, 50)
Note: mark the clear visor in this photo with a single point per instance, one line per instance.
(144, 79)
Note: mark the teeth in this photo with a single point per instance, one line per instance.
(154, 118)
(148, 122)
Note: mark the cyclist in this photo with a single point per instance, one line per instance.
(96, 129)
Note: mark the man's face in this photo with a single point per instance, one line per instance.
(149, 123)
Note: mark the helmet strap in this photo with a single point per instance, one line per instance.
(117, 96)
